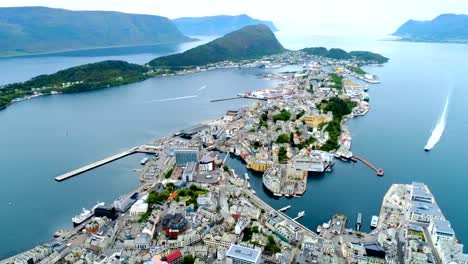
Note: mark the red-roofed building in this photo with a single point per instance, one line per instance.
(172, 196)
(236, 217)
(174, 257)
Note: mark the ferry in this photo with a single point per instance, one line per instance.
(144, 161)
(84, 215)
(374, 221)
(284, 208)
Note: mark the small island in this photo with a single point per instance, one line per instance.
(362, 57)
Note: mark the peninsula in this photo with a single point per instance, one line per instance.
(29, 30)
(363, 57)
(444, 28)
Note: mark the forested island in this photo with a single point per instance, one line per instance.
(339, 54)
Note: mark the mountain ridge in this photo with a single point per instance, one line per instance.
(217, 25)
(443, 28)
(64, 30)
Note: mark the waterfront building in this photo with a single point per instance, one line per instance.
(243, 255)
(450, 251)
(440, 230)
(123, 203)
(420, 192)
(140, 207)
(186, 155)
(174, 224)
(106, 211)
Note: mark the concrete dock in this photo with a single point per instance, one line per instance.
(73, 173)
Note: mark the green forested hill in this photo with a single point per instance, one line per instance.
(248, 42)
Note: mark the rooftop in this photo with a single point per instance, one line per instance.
(244, 253)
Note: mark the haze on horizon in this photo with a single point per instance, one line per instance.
(325, 17)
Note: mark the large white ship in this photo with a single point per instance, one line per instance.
(84, 215)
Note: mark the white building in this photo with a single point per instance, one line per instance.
(243, 255)
(140, 207)
(204, 199)
(123, 203)
(440, 230)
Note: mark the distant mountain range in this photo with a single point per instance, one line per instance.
(444, 28)
(246, 43)
(217, 25)
(26, 30)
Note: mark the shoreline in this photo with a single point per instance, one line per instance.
(36, 54)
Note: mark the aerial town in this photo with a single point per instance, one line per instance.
(193, 208)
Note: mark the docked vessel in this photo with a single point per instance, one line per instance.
(59, 233)
(374, 221)
(301, 214)
(319, 229)
(144, 161)
(358, 221)
(84, 215)
(246, 176)
(284, 208)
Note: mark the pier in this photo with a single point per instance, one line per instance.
(379, 172)
(139, 149)
(238, 97)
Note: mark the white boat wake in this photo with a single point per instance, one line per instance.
(202, 88)
(438, 129)
(175, 98)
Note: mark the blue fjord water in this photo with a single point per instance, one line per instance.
(47, 136)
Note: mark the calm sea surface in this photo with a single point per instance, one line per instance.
(47, 136)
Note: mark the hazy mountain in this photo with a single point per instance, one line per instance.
(42, 29)
(248, 42)
(444, 28)
(217, 25)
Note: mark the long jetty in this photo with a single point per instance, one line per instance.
(238, 97)
(379, 172)
(73, 173)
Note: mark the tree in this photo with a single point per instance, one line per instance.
(283, 138)
(189, 259)
(282, 155)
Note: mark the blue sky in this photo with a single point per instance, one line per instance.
(358, 17)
